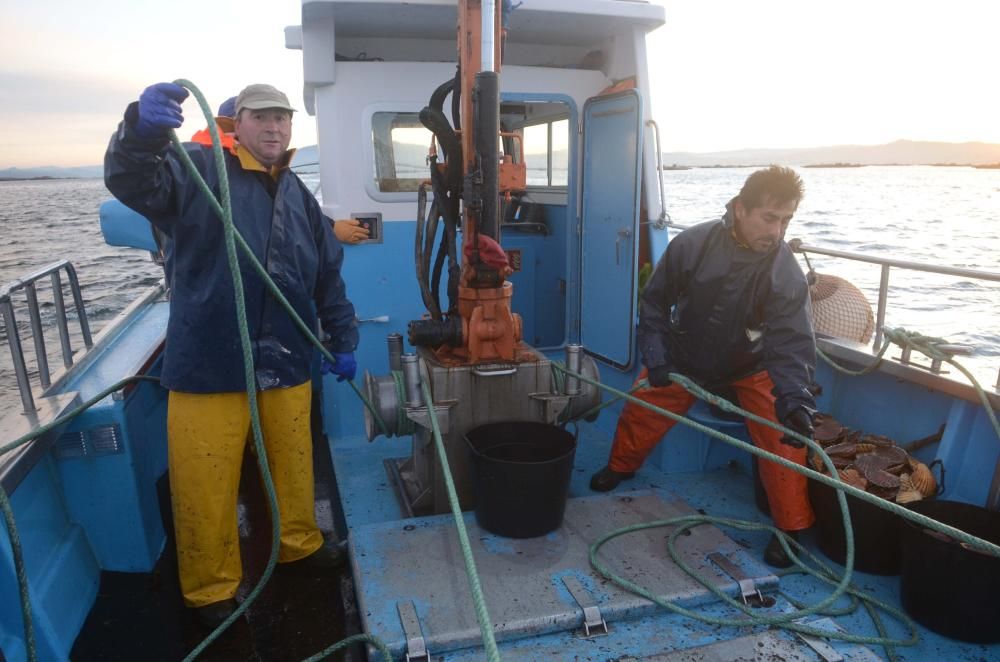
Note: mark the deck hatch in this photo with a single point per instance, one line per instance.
(419, 561)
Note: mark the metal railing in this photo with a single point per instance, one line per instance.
(27, 284)
(663, 220)
(886, 263)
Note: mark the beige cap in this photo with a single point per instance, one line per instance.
(260, 96)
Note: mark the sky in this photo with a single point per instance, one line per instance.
(726, 74)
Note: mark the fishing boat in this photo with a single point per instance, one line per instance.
(536, 131)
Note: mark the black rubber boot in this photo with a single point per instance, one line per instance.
(774, 553)
(607, 479)
(325, 559)
(212, 615)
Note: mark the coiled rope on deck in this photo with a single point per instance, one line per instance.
(841, 586)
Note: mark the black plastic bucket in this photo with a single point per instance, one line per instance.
(876, 531)
(520, 473)
(946, 587)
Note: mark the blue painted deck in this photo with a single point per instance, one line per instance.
(725, 491)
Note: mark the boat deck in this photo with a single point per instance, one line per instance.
(142, 616)
(297, 615)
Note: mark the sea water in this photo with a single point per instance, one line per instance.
(936, 215)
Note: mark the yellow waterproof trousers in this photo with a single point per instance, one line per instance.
(206, 437)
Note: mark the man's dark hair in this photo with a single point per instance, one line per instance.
(776, 184)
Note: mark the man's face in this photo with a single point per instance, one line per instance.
(763, 227)
(266, 133)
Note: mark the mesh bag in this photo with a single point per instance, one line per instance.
(840, 309)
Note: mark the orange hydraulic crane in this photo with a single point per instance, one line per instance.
(480, 326)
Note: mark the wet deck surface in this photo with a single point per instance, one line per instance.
(142, 616)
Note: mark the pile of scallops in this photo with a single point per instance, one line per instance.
(872, 462)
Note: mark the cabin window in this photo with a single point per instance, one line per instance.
(546, 153)
(401, 144)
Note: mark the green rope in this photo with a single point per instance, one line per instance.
(8, 510)
(229, 232)
(248, 252)
(856, 373)
(928, 345)
(785, 620)
(978, 543)
(841, 586)
(558, 367)
(350, 641)
(22, 575)
(479, 602)
(404, 425)
(232, 238)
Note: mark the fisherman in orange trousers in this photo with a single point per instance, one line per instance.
(728, 306)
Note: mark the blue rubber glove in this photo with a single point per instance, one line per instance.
(160, 110)
(345, 367)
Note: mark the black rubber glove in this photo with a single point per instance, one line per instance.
(798, 420)
(659, 376)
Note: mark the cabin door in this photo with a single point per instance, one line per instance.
(612, 175)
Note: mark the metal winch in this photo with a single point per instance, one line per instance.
(465, 397)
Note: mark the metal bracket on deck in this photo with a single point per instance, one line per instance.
(823, 649)
(416, 649)
(593, 623)
(748, 587)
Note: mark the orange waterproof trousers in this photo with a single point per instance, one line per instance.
(639, 430)
(206, 436)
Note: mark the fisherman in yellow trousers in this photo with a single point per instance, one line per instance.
(208, 415)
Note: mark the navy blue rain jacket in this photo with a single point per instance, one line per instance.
(289, 236)
(716, 312)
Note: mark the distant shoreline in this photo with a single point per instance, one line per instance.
(39, 178)
(981, 166)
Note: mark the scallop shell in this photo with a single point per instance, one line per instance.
(908, 496)
(894, 453)
(828, 429)
(817, 462)
(870, 462)
(853, 478)
(883, 479)
(922, 479)
(843, 449)
(878, 440)
(905, 483)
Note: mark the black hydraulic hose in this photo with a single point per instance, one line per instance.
(439, 258)
(456, 100)
(430, 237)
(418, 260)
(442, 91)
(448, 208)
(435, 122)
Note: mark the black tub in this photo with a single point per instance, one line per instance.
(876, 531)
(520, 472)
(946, 587)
